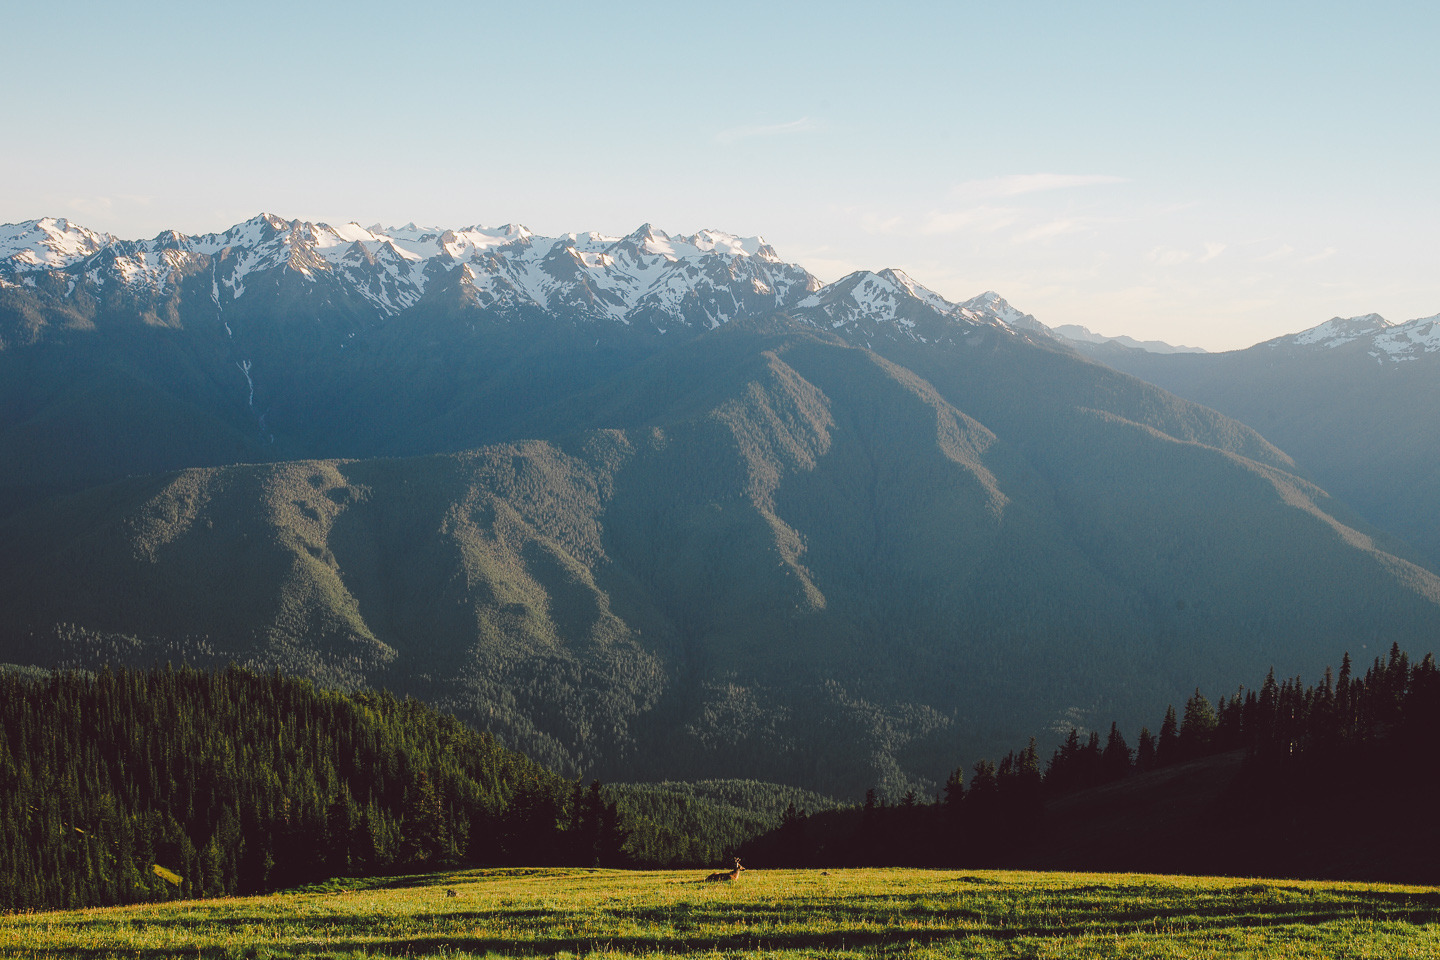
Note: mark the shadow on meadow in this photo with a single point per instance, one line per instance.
(850, 924)
(414, 880)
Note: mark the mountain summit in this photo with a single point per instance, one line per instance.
(1372, 333)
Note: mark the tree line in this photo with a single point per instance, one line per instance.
(126, 786)
(1349, 747)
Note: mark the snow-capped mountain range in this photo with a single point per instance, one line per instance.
(1372, 333)
(710, 276)
(648, 278)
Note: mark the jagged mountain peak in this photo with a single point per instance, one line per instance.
(643, 240)
(1369, 333)
(990, 305)
(1382, 340)
(993, 308)
(1337, 331)
(658, 278)
(916, 289)
(892, 298)
(274, 222)
(48, 243)
(885, 303)
(701, 280)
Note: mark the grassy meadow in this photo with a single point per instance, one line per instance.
(771, 913)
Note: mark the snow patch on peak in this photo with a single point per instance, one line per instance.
(716, 241)
(1407, 341)
(351, 232)
(917, 290)
(49, 243)
(1340, 330)
(863, 296)
(707, 278)
(991, 306)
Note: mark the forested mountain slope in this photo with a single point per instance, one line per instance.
(788, 557)
(647, 508)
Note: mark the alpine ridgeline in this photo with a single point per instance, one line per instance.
(646, 506)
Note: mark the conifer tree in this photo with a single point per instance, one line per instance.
(1116, 758)
(1167, 749)
(1197, 730)
(1145, 751)
(954, 791)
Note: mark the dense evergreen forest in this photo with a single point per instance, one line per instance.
(689, 824)
(125, 786)
(1335, 779)
(122, 786)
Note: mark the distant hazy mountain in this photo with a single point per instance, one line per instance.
(1083, 338)
(1354, 400)
(644, 506)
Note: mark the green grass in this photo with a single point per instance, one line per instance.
(772, 913)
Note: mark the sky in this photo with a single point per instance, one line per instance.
(1211, 175)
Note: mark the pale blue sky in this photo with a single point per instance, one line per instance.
(1213, 175)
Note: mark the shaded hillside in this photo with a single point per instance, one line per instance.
(280, 339)
(1358, 420)
(98, 398)
(1334, 779)
(763, 552)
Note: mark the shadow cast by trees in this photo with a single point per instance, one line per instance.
(851, 923)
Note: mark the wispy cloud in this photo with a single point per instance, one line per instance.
(1167, 256)
(1019, 184)
(736, 134)
(1325, 254)
(1279, 253)
(978, 212)
(980, 219)
(1051, 230)
(1173, 256)
(876, 224)
(91, 205)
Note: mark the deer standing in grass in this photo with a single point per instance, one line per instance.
(727, 874)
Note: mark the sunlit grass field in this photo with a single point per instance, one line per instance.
(766, 913)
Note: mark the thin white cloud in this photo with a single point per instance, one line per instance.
(1212, 250)
(1279, 253)
(1022, 183)
(91, 206)
(736, 134)
(1325, 254)
(979, 219)
(875, 224)
(1174, 256)
(1051, 230)
(1167, 256)
(976, 215)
